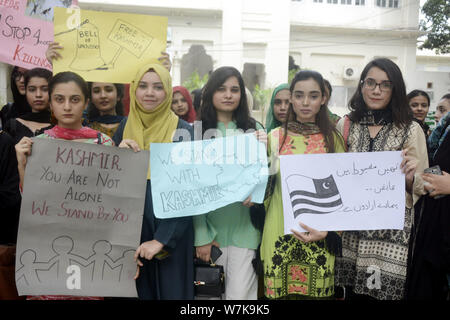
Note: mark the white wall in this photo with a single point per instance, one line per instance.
(320, 36)
(5, 90)
(369, 16)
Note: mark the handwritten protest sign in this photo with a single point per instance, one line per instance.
(196, 177)
(80, 219)
(343, 191)
(43, 9)
(100, 44)
(24, 37)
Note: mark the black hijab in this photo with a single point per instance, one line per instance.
(20, 105)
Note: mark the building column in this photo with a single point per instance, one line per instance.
(5, 96)
(277, 50)
(231, 46)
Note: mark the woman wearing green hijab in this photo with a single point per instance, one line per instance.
(279, 104)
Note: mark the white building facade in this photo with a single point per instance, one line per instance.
(335, 37)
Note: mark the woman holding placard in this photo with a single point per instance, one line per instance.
(68, 98)
(299, 266)
(34, 122)
(224, 111)
(374, 263)
(165, 256)
(105, 109)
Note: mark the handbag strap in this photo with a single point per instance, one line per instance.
(346, 131)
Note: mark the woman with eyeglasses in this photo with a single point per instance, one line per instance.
(374, 263)
(20, 105)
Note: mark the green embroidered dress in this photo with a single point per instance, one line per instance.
(293, 269)
(105, 130)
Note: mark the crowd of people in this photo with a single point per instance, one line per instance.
(259, 260)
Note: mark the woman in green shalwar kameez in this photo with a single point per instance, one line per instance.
(301, 265)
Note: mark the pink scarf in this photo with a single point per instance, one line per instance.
(71, 134)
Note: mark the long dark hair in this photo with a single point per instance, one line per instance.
(446, 96)
(327, 128)
(208, 114)
(21, 105)
(398, 105)
(92, 111)
(197, 93)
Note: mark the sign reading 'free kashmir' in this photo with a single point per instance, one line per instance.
(97, 45)
(80, 219)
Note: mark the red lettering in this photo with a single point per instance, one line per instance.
(29, 59)
(16, 53)
(82, 157)
(10, 4)
(75, 213)
(43, 211)
(59, 154)
(70, 155)
(115, 163)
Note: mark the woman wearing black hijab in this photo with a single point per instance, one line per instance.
(35, 121)
(20, 105)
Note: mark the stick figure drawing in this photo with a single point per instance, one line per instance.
(99, 266)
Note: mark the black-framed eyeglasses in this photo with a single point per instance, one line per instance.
(371, 84)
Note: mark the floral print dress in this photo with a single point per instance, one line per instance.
(293, 269)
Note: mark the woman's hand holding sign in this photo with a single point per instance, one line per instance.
(310, 236)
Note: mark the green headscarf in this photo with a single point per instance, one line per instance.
(271, 121)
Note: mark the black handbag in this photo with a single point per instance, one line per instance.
(209, 279)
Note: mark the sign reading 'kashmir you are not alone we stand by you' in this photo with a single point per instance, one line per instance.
(80, 219)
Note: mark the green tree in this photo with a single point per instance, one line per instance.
(261, 99)
(291, 74)
(195, 81)
(436, 24)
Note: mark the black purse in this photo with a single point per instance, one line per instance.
(209, 279)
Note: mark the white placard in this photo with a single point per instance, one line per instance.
(343, 191)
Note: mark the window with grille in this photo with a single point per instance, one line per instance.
(387, 3)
